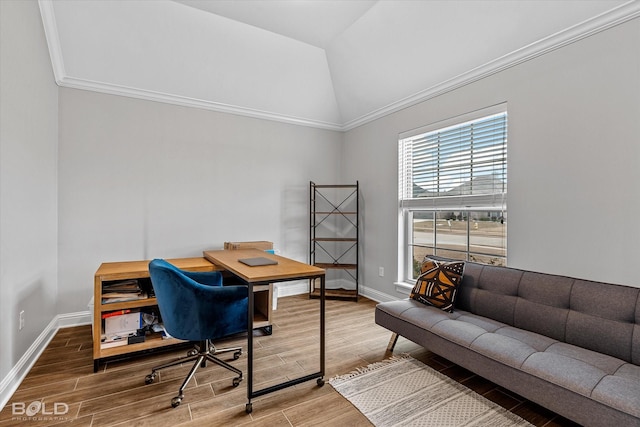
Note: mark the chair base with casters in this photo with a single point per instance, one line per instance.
(203, 352)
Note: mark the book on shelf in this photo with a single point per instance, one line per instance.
(130, 297)
(114, 313)
(121, 294)
(121, 291)
(130, 285)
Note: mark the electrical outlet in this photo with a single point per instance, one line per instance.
(381, 271)
(21, 320)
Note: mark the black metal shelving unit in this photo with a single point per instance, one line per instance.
(333, 238)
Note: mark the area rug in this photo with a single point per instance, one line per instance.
(403, 391)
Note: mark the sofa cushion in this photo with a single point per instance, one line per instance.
(602, 318)
(621, 390)
(463, 333)
(534, 340)
(607, 364)
(468, 287)
(511, 346)
(543, 304)
(496, 293)
(572, 374)
(508, 350)
(438, 283)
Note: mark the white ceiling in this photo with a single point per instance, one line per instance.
(316, 22)
(322, 63)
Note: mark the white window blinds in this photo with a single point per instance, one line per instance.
(460, 165)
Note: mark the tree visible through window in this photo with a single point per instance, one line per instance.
(453, 188)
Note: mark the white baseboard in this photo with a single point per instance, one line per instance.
(375, 295)
(295, 287)
(302, 287)
(299, 287)
(10, 383)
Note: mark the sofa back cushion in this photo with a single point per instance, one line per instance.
(597, 316)
(603, 318)
(495, 293)
(544, 304)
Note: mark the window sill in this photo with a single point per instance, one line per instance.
(403, 287)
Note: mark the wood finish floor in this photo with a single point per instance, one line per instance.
(117, 394)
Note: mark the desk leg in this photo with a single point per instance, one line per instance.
(249, 407)
(320, 380)
(319, 376)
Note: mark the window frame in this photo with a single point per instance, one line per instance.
(462, 203)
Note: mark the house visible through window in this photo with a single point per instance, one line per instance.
(453, 190)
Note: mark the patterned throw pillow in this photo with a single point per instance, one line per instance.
(438, 283)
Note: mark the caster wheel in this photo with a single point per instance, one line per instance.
(320, 382)
(192, 352)
(248, 408)
(268, 330)
(150, 378)
(237, 355)
(236, 381)
(175, 402)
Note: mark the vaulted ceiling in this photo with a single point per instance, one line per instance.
(331, 64)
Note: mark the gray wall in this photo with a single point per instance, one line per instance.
(141, 179)
(574, 161)
(28, 177)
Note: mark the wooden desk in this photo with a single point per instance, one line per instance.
(139, 270)
(286, 269)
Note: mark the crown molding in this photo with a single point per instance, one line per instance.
(53, 42)
(616, 16)
(184, 101)
(604, 21)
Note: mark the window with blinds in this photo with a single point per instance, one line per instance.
(464, 162)
(453, 188)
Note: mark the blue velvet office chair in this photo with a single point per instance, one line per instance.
(194, 306)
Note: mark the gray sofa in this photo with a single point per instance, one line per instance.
(570, 345)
